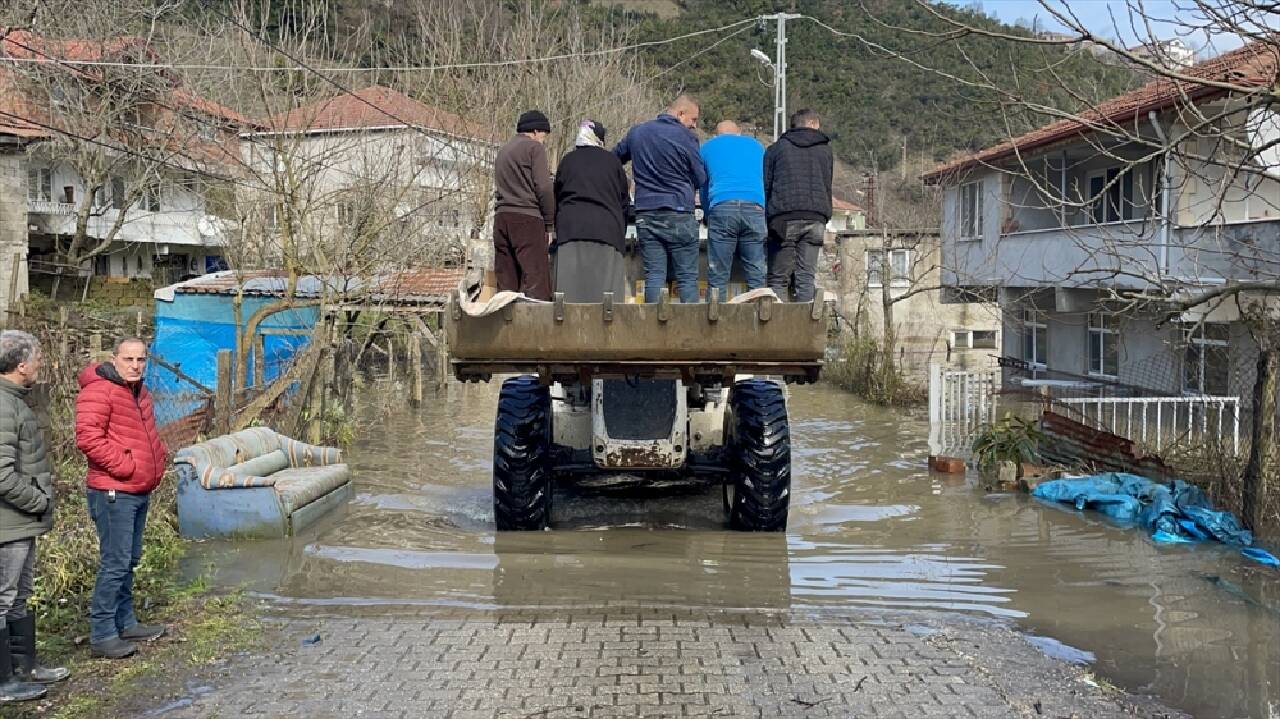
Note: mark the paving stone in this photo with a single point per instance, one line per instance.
(629, 662)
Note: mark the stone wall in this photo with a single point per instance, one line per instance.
(13, 222)
(114, 293)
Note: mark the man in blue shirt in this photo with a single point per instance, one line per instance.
(733, 200)
(666, 168)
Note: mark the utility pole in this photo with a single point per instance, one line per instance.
(780, 72)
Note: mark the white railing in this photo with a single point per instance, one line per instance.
(48, 207)
(960, 403)
(1158, 422)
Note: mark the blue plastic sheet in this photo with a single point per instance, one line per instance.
(1174, 513)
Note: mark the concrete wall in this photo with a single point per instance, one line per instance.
(923, 322)
(13, 223)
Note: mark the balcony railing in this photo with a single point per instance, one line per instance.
(48, 207)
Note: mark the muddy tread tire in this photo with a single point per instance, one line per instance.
(760, 457)
(522, 456)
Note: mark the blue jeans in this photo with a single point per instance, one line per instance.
(668, 236)
(735, 227)
(119, 524)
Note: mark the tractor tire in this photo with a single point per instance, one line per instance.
(758, 491)
(522, 456)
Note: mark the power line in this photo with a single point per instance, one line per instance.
(405, 68)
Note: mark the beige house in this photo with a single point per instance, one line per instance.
(902, 269)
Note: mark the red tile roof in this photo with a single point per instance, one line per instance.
(377, 106)
(1254, 65)
(23, 116)
(839, 204)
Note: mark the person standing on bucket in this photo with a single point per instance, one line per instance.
(733, 201)
(26, 512)
(667, 168)
(593, 203)
(797, 188)
(524, 210)
(116, 430)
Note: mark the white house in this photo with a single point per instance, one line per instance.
(152, 208)
(1087, 237)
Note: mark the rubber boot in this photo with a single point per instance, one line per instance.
(11, 689)
(22, 645)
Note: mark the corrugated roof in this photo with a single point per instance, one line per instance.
(376, 106)
(1254, 65)
(424, 285)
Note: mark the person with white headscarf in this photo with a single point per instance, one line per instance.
(593, 207)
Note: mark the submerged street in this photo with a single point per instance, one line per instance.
(894, 592)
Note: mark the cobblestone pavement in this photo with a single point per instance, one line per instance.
(622, 662)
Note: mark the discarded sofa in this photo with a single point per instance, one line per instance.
(257, 483)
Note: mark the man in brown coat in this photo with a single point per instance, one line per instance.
(524, 210)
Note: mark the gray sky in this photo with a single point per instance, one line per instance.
(1113, 19)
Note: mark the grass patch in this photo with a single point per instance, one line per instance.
(202, 629)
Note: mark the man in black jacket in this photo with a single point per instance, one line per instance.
(797, 188)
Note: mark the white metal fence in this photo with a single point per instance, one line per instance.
(960, 403)
(1159, 422)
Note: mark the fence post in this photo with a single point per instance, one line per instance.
(64, 340)
(224, 392)
(935, 393)
(259, 360)
(442, 356)
(95, 347)
(415, 367)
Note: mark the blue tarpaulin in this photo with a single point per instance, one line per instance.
(1176, 512)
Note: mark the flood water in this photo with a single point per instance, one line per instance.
(870, 527)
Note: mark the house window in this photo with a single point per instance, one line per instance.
(984, 339)
(1035, 338)
(961, 340)
(1207, 363)
(1104, 345)
(1113, 196)
(899, 267)
(971, 211)
(117, 193)
(40, 184)
(346, 213)
(151, 198)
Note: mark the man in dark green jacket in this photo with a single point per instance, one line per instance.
(26, 512)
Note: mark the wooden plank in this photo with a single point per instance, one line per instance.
(171, 367)
(284, 331)
(223, 398)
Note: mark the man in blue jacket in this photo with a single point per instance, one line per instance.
(733, 201)
(666, 168)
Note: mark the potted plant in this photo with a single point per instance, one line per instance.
(1010, 439)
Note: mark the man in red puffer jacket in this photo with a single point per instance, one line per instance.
(116, 430)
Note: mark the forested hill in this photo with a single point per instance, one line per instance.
(872, 103)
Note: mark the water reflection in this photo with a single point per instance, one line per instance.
(869, 527)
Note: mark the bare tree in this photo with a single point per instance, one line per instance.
(1161, 203)
(121, 125)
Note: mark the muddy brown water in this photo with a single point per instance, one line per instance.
(870, 529)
